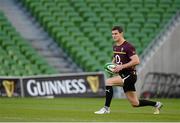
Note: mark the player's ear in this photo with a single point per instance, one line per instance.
(122, 33)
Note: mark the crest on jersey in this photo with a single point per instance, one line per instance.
(122, 49)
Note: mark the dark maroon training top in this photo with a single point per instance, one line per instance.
(123, 53)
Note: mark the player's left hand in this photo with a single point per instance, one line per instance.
(118, 68)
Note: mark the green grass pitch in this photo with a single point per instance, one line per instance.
(82, 109)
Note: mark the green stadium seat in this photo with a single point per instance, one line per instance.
(83, 10)
(105, 15)
(165, 2)
(150, 4)
(94, 5)
(120, 15)
(132, 30)
(150, 1)
(77, 20)
(32, 4)
(166, 19)
(136, 4)
(98, 10)
(150, 25)
(109, 6)
(67, 10)
(176, 5)
(78, 4)
(128, 10)
(153, 20)
(50, 6)
(158, 10)
(102, 25)
(121, 6)
(38, 9)
(94, 35)
(133, 25)
(138, 20)
(113, 10)
(143, 10)
(65, 41)
(94, 20)
(124, 21)
(136, 1)
(62, 3)
(58, 15)
(83, 41)
(67, 24)
(73, 30)
(147, 31)
(88, 15)
(136, 15)
(104, 31)
(110, 21)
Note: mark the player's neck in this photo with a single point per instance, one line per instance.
(120, 41)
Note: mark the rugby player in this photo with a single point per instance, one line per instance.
(126, 59)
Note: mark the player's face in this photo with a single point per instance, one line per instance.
(116, 35)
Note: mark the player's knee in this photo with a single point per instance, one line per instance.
(108, 82)
(135, 104)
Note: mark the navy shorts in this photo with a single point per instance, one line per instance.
(129, 81)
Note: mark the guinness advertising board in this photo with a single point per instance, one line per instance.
(67, 85)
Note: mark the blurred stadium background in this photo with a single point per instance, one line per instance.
(47, 37)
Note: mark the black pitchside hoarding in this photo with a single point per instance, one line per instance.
(68, 85)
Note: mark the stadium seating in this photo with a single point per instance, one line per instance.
(18, 58)
(83, 27)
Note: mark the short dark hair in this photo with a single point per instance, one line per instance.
(119, 28)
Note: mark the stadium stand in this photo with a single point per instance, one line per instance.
(18, 58)
(75, 23)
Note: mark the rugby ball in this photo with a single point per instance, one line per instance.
(109, 67)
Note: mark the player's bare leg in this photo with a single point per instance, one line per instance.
(133, 99)
(116, 80)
